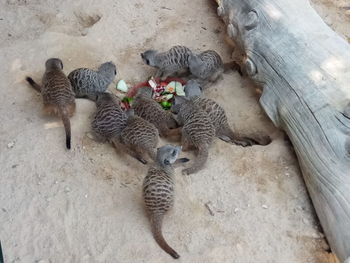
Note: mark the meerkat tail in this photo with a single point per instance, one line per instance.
(32, 83)
(156, 224)
(226, 134)
(232, 66)
(66, 123)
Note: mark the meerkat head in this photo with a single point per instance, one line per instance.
(145, 92)
(178, 102)
(192, 88)
(108, 68)
(53, 63)
(168, 154)
(149, 57)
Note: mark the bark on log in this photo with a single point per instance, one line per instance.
(304, 68)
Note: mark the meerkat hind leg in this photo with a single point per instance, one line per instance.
(130, 150)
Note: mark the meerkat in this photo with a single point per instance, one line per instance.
(139, 137)
(87, 82)
(193, 88)
(109, 119)
(198, 131)
(207, 67)
(158, 192)
(218, 116)
(148, 109)
(125, 131)
(57, 93)
(171, 62)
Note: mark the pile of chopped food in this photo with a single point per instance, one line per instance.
(163, 91)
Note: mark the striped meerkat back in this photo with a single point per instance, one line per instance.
(57, 89)
(109, 119)
(198, 131)
(197, 124)
(140, 133)
(174, 58)
(83, 81)
(213, 109)
(158, 190)
(148, 109)
(212, 63)
(87, 82)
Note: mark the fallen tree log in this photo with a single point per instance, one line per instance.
(304, 69)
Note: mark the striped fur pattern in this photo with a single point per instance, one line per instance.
(198, 131)
(109, 119)
(219, 119)
(150, 110)
(139, 138)
(158, 193)
(171, 62)
(58, 96)
(218, 116)
(206, 66)
(87, 82)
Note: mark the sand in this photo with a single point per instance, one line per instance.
(85, 205)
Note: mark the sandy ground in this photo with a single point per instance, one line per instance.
(85, 205)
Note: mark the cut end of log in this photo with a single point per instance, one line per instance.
(278, 51)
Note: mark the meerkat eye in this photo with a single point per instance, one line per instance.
(147, 61)
(174, 152)
(115, 72)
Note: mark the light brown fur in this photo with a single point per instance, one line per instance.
(57, 93)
